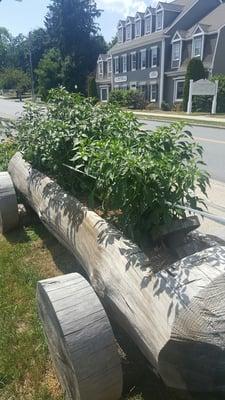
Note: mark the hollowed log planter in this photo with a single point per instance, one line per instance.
(175, 316)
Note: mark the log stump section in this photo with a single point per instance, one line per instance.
(80, 338)
(8, 204)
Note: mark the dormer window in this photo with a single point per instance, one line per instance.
(176, 51)
(120, 35)
(138, 27)
(148, 24)
(128, 31)
(198, 43)
(100, 68)
(148, 21)
(159, 18)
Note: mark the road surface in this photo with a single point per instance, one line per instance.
(10, 108)
(213, 142)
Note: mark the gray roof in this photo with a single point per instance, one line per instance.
(137, 42)
(186, 4)
(211, 23)
(174, 6)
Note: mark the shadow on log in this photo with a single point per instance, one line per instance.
(164, 312)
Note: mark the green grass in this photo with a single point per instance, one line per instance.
(25, 368)
(172, 118)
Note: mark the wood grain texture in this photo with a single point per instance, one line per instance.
(166, 313)
(80, 338)
(8, 204)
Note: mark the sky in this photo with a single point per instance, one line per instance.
(21, 17)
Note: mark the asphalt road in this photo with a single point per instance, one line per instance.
(10, 108)
(213, 142)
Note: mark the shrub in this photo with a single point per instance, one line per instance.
(92, 88)
(103, 151)
(7, 149)
(135, 99)
(195, 71)
(165, 106)
(221, 93)
(118, 97)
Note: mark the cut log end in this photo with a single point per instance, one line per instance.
(8, 204)
(80, 338)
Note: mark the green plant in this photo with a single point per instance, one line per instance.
(118, 97)
(136, 177)
(165, 106)
(195, 71)
(221, 93)
(7, 150)
(92, 88)
(135, 99)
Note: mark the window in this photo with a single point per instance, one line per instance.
(100, 68)
(133, 85)
(197, 46)
(138, 28)
(120, 35)
(153, 93)
(148, 23)
(154, 57)
(159, 20)
(109, 66)
(143, 59)
(128, 32)
(116, 65)
(176, 54)
(104, 94)
(124, 63)
(133, 61)
(178, 90)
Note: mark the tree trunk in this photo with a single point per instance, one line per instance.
(175, 316)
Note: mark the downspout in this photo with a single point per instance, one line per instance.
(162, 73)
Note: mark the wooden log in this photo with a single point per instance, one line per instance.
(175, 316)
(8, 204)
(80, 338)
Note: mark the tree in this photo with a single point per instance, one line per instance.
(71, 26)
(92, 88)
(15, 79)
(195, 71)
(5, 42)
(113, 42)
(49, 72)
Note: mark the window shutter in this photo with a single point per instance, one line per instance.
(120, 65)
(158, 56)
(150, 58)
(147, 55)
(139, 58)
(128, 62)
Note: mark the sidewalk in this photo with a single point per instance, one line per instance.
(216, 206)
(189, 117)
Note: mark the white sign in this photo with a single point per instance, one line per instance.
(119, 79)
(203, 87)
(153, 75)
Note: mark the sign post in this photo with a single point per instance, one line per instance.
(203, 87)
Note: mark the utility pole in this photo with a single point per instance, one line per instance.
(31, 69)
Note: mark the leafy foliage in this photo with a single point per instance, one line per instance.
(92, 88)
(195, 71)
(128, 98)
(49, 72)
(7, 150)
(72, 29)
(14, 79)
(221, 93)
(130, 174)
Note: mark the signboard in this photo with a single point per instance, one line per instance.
(203, 87)
(153, 75)
(119, 79)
